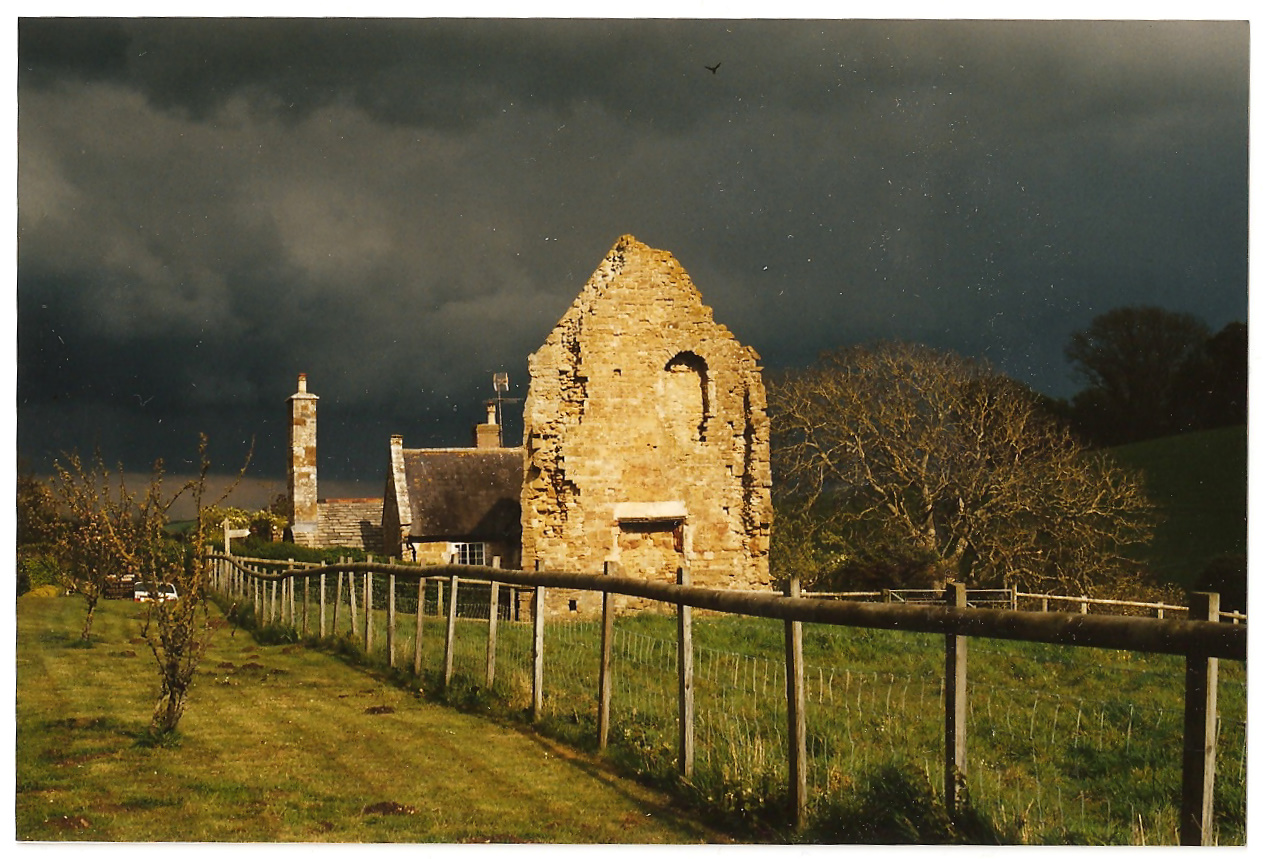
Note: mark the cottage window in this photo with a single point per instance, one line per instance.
(472, 554)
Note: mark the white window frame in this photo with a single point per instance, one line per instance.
(472, 554)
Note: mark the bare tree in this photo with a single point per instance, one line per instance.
(934, 458)
(106, 532)
(177, 631)
(95, 518)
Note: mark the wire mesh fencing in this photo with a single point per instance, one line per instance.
(1065, 744)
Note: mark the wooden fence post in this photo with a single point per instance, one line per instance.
(440, 597)
(339, 598)
(352, 603)
(1013, 597)
(273, 601)
(290, 589)
(1198, 752)
(418, 626)
(491, 649)
(954, 709)
(687, 692)
(392, 620)
(539, 642)
(605, 660)
(450, 620)
(321, 607)
(795, 694)
(369, 601)
(304, 614)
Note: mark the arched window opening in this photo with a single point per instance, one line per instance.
(686, 393)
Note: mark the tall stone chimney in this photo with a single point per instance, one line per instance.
(489, 434)
(301, 475)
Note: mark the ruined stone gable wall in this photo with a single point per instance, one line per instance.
(646, 435)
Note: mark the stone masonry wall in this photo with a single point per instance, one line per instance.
(646, 436)
(357, 523)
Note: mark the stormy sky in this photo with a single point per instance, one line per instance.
(401, 208)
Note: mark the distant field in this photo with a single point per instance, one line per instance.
(286, 744)
(1199, 482)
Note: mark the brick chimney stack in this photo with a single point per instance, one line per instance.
(301, 475)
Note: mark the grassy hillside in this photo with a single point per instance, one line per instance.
(1199, 481)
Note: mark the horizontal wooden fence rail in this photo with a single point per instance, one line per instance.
(1045, 600)
(1201, 639)
(1012, 598)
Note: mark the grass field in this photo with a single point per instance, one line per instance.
(287, 744)
(1199, 482)
(1067, 745)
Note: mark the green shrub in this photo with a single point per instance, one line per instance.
(276, 633)
(44, 591)
(37, 568)
(896, 804)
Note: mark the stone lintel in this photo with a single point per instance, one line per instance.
(649, 511)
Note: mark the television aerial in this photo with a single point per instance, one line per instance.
(501, 385)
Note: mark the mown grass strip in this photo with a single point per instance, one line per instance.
(284, 744)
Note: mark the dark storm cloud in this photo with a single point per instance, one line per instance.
(401, 208)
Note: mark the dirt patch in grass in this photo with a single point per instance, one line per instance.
(85, 723)
(68, 822)
(389, 808)
(380, 710)
(80, 760)
(496, 839)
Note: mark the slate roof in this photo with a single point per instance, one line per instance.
(464, 493)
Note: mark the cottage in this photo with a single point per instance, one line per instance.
(439, 504)
(459, 505)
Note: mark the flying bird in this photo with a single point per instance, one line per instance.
(714, 68)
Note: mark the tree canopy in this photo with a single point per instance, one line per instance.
(1152, 372)
(908, 456)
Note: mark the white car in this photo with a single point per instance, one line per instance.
(162, 593)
